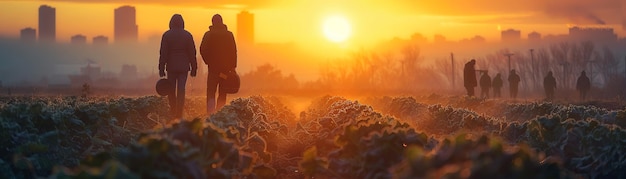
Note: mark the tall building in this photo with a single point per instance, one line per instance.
(47, 23)
(593, 34)
(534, 37)
(624, 15)
(511, 35)
(100, 40)
(79, 39)
(125, 24)
(245, 28)
(28, 35)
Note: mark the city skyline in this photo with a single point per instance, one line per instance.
(278, 24)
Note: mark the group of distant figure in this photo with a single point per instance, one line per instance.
(583, 84)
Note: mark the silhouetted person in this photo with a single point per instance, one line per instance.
(178, 57)
(469, 77)
(513, 84)
(583, 85)
(485, 85)
(549, 85)
(219, 52)
(497, 85)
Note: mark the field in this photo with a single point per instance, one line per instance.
(430, 136)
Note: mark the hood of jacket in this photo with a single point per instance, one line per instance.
(177, 22)
(218, 27)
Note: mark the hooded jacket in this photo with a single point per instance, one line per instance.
(497, 81)
(549, 83)
(469, 75)
(218, 49)
(583, 83)
(178, 51)
(485, 81)
(513, 79)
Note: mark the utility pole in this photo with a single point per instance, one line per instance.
(509, 55)
(452, 60)
(533, 69)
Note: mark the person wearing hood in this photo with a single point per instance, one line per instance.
(514, 80)
(497, 85)
(177, 57)
(219, 53)
(549, 85)
(485, 85)
(469, 77)
(583, 85)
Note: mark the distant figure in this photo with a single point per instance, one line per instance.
(549, 85)
(485, 85)
(513, 84)
(497, 85)
(86, 90)
(178, 57)
(219, 52)
(469, 77)
(583, 85)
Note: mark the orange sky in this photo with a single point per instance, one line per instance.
(301, 21)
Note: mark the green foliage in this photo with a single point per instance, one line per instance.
(258, 137)
(43, 132)
(481, 158)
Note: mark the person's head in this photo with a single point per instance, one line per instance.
(549, 73)
(177, 22)
(498, 74)
(473, 61)
(217, 20)
(583, 73)
(513, 71)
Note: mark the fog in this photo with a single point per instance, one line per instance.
(412, 65)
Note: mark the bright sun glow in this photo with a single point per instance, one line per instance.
(337, 28)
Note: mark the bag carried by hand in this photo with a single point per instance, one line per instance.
(165, 87)
(229, 82)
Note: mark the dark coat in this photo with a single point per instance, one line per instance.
(497, 81)
(513, 79)
(583, 83)
(218, 49)
(485, 81)
(549, 83)
(178, 51)
(469, 75)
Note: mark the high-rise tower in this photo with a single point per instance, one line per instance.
(245, 28)
(125, 24)
(47, 23)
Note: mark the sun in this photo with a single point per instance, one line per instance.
(337, 28)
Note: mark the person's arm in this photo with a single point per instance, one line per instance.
(191, 47)
(233, 52)
(204, 48)
(163, 54)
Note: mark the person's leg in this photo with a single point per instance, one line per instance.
(180, 86)
(470, 91)
(221, 101)
(211, 89)
(487, 93)
(172, 96)
(482, 92)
